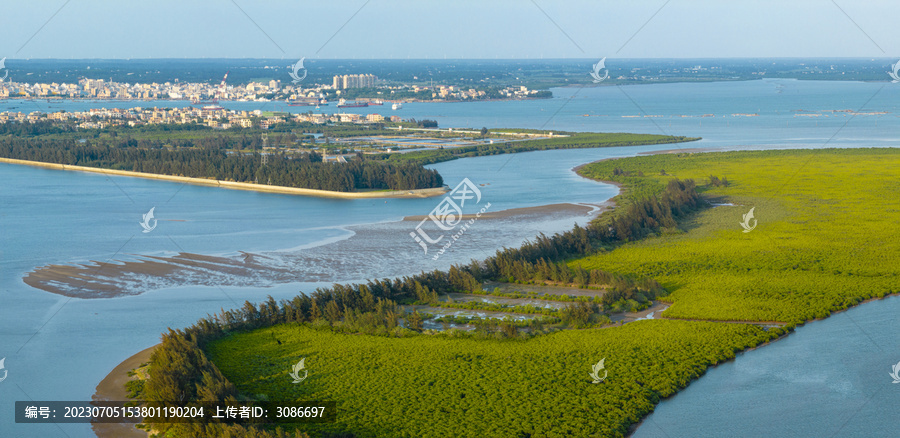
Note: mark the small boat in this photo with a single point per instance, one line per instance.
(397, 106)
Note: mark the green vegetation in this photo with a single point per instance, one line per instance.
(135, 388)
(212, 157)
(534, 296)
(575, 140)
(495, 307)
(163, 132)
(826, 237)
(535, 324)
(824, 241)
(439, 386)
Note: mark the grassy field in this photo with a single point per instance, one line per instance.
(826, 236)
(826, 239)
(440, 386)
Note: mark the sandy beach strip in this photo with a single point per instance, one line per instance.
(415, 193)
(112, 388)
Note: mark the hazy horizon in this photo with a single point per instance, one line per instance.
(503, 29)
(462, 59)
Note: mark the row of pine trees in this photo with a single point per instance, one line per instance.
(213, 157)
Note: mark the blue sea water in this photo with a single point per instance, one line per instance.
(829, 378)
(59, 348)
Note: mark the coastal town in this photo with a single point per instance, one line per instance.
(367, 86)
(210, 115)
(206, 99)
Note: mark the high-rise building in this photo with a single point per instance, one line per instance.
(353, 81)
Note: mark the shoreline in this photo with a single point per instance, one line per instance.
(634, 427)
(680, 151)
(414, 193)
(112, 388)
(658, 152)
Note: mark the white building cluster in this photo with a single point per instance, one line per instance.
(216, 117)
(103, 89)
(343, 82)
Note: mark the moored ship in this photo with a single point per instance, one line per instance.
(344, 104)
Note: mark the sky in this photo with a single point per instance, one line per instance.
(423, 29)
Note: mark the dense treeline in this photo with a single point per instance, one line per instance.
(182, 367)
(40, 127)
(210, 157)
